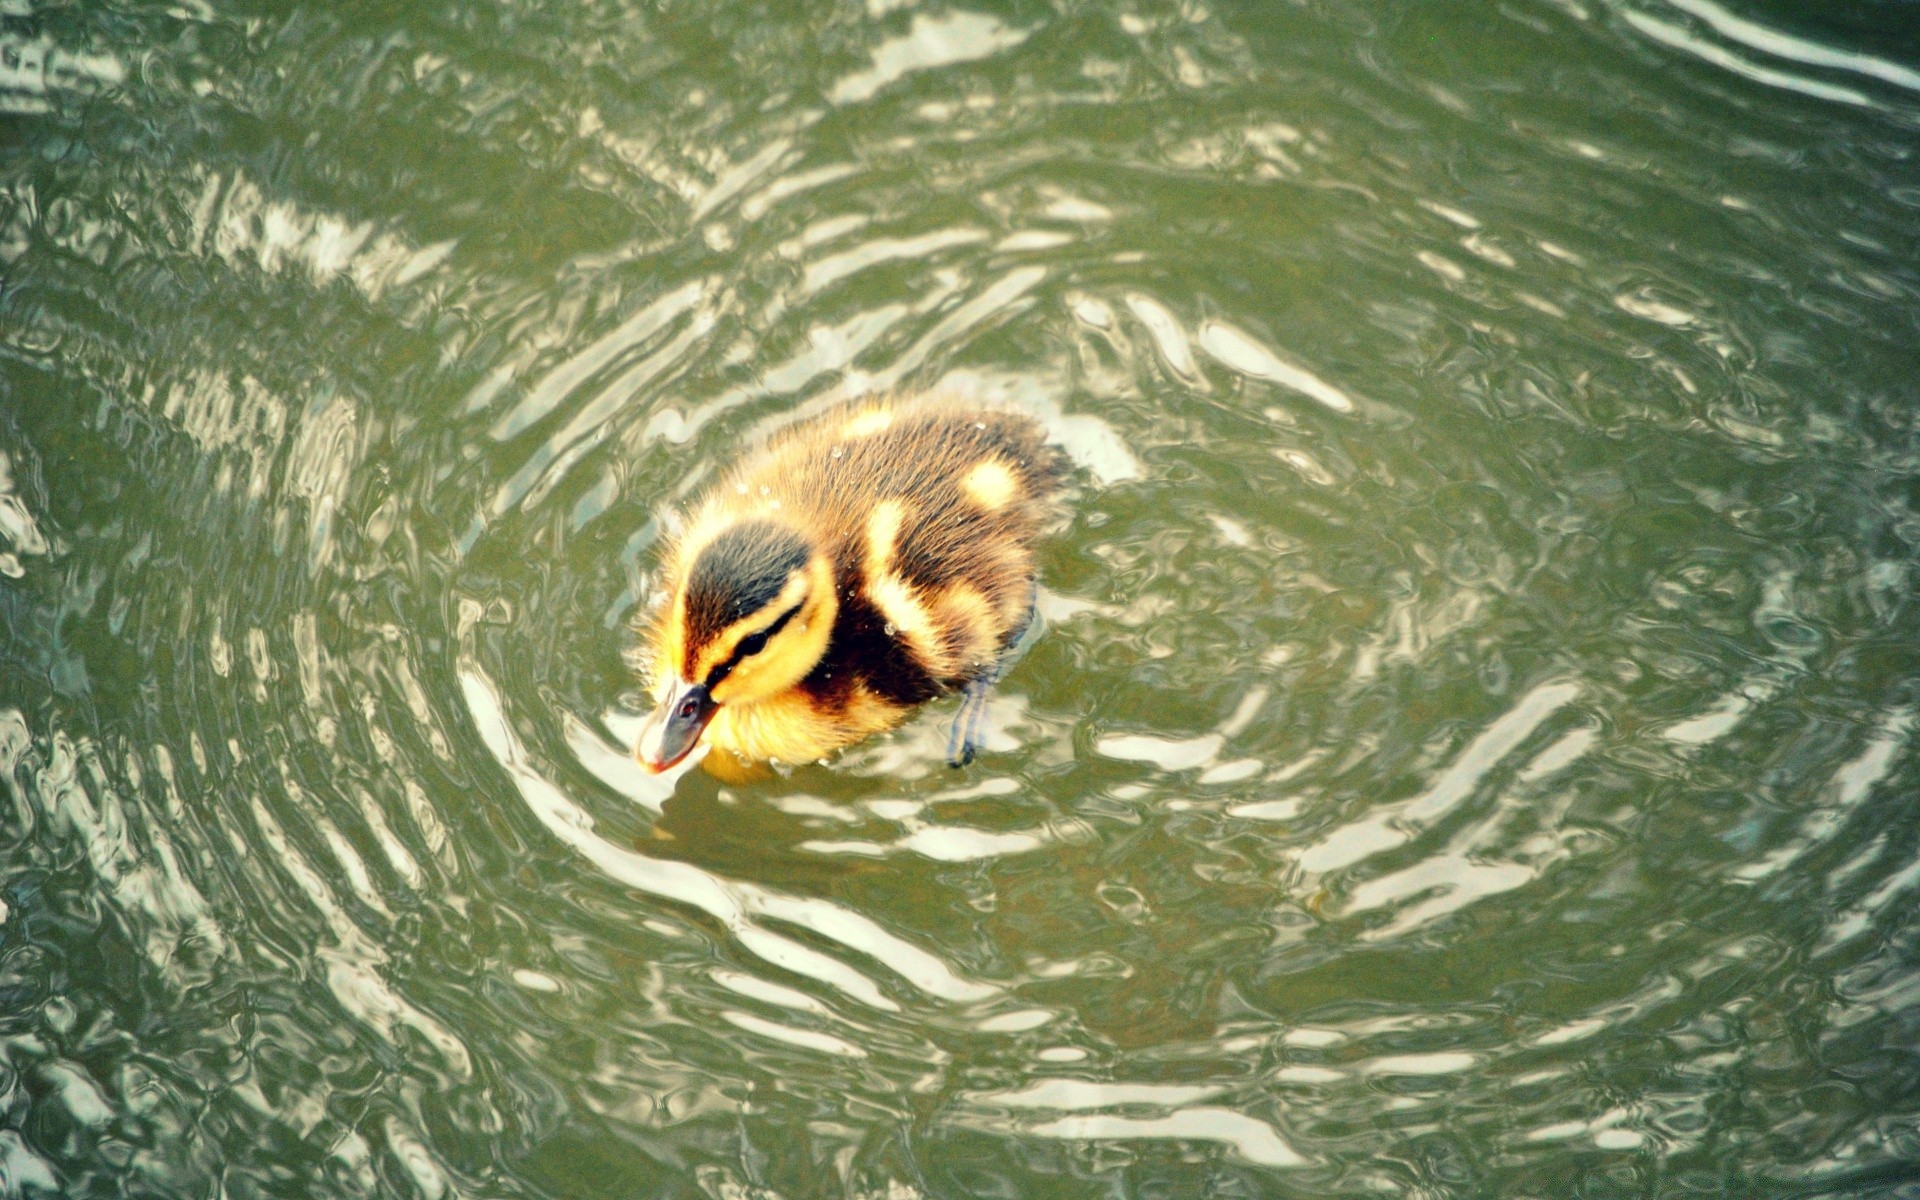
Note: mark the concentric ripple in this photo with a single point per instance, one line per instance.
(1469, 752)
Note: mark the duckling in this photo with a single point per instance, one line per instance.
(864, 562)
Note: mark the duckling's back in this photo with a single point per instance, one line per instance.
(928, 511)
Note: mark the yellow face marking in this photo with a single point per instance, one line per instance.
(706, 524)
(669, 645)
(868, 423)
(670, 640)
(721, 648)
(990, 484)
(790, 653)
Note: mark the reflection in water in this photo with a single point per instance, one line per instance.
(1773, 43)
(1470, 749)
(1389, 826)
(931, 41)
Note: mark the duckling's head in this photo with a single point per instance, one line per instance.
(751, 616)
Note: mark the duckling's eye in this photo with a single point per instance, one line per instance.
(750, 645)
(689, 709)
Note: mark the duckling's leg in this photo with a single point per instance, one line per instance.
(970, 723)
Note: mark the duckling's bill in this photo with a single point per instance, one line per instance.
(675, 726)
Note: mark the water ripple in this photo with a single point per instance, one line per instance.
(1470, 743)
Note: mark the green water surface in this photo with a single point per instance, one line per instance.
(1471, 750)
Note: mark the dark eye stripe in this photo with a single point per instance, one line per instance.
(752, 644)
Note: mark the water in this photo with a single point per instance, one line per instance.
(1471, 754)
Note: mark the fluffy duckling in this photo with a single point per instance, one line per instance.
(865, 561)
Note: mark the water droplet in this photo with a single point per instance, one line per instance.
(837, 452)
(741, 488)
(891, 631)
(765, 490)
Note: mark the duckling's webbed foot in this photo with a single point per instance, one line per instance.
(970, 724)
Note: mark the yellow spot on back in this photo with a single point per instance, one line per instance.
(906, 616)
(990, 484)
(971, 622)
(868, 423)
(883, 530)
(896, 601)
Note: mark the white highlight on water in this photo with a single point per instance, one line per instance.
(1238, 349)
(1394, 826)
(932, 41)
